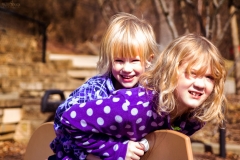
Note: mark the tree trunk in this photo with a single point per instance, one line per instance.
(235, 40)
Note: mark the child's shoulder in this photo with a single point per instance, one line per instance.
(97, 78)
(94, 84)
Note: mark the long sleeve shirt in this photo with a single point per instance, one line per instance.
(63, 145)
(128, 114)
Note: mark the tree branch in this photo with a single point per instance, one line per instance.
(199, 17)
(220, 36)
(102, 4)
(169, 19)
(184, 17)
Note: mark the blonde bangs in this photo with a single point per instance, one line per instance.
(201, 61)
(130, 45)
(126, 50)
(204, 61)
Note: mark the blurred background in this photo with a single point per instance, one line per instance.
(54, 45)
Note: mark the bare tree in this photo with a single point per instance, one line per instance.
(211, 19)
(110, 7)
(235, 40)
(166, 12)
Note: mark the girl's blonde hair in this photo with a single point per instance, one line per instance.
(163, 76)
(126, 36)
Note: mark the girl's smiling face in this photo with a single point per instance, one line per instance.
(193, 89)
(127, 71)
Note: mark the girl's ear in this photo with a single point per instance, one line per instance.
(151, 58)
(149, 61)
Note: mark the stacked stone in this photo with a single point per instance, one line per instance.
(23, 81)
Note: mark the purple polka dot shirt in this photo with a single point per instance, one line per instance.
(103, 127)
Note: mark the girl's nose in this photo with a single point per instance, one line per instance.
(199, 82)
(127, 67)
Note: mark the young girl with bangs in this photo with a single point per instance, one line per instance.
(182, 91)
(126, 50)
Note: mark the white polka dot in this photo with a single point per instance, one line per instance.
(130, 133)
(106, 154)
(133, 139)
(142, 128)
(154, 115)
(118, 118)
(116, 99)
(154, 124)
(128, 126)
(100, 121)
(120, 158)
(94, 130)
(113, 127)
(115, 147)
(125, 105)
(140, 102)
(160, 124)
(149, 113)
(134, 111)
(129, 93)
(144, 134)
(83, 123)
(141, 94)
(139, 120)
(145, 104)
(82, 105)
(89, 112)
(98, 102)
(118, 136)
(86, 143)
(89, 150)
(125, 142)
(107, 109)
(103, 145)
(73, 114)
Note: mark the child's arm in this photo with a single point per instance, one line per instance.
(113, 116)
(110, 148)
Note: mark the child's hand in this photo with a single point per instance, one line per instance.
(134, 151)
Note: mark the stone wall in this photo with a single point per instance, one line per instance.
(24, 80)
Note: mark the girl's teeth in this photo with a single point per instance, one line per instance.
(195, 94)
